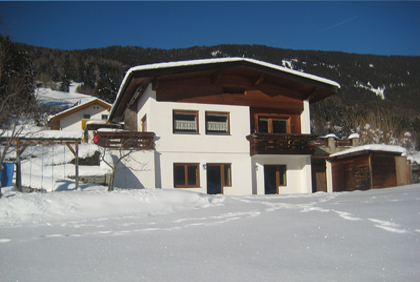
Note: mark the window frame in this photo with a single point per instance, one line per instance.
(217, 113)
(186, 165)
(224, 174)
(270, 118)
(175, 131)
(106, 117)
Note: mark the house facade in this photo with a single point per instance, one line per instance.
(234, 126)
(75, 118)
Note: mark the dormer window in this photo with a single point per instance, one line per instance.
(185, 121)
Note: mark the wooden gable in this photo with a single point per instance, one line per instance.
(238, 86)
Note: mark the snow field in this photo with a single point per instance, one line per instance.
(160, 235)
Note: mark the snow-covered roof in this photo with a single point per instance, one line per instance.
(372, 147)
(97, 122)
(330, 135)
(47, 134)
(169, 65)
(354, 136)
(75, 108)
(234, 59)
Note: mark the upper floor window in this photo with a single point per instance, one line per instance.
(86, 116)
(185, 121)
(217, 123)
(267, 124)
(105, 117)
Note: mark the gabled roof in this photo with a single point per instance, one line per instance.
(77, 108)
(146, 73)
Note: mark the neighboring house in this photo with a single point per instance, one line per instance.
(76, 117)
(232, 125)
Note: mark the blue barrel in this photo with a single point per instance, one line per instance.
(7, 174)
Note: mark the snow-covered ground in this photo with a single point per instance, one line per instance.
(162, 235)
(56, 98)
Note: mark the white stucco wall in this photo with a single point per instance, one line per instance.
(305, 118)
(247, 172)
(298, 173)
(240, 165)
(136, 171)
(74, 120)
(199, 147)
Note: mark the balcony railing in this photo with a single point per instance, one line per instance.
(126, 139)
(267, 143)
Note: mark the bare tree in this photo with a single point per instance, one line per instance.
(117, 146)
(18, 105)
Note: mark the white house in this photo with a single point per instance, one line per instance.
(76, 117)
(235, 126)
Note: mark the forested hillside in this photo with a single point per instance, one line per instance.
(379, 95)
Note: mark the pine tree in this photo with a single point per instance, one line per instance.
(18, 105)
(65, 79)
(106, 89)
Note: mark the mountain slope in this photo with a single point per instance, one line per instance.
(382, 91)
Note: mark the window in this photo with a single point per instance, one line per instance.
(217, 123)
(105, 117)
(186, 175)
(272, 125)
(185, 122)
(227, 174)
(86, 116)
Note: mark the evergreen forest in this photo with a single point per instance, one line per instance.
(379, 96)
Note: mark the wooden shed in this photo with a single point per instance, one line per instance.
(367, 167)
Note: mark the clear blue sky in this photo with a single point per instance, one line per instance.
(373, 27)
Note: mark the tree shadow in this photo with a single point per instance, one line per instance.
(70, 185)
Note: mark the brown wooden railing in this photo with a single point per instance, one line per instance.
(266, 143)
(126, 140)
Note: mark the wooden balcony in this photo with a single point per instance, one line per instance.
(271, 144)
(117, 139)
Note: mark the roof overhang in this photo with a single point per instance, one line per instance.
(141, 76)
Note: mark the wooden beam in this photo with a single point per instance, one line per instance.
(77, 166)
(275, 90)
(313, 94)
(71, 149)
(75, 152)
(216, 76)
(155, 83)
(260, 79)
(236, 80)
(18, 170)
